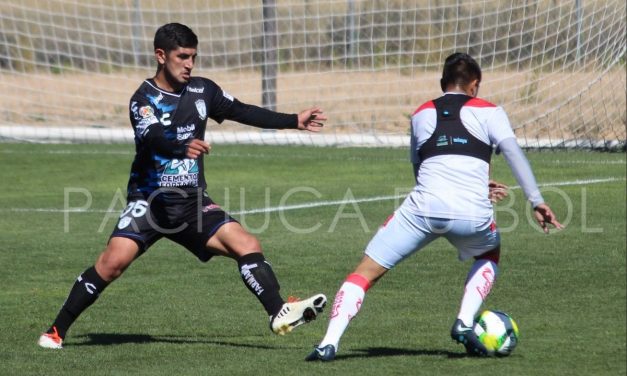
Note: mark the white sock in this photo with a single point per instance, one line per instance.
(478, 286)
(345, 306)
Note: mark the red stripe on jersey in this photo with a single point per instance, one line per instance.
(424, 107)
(478, 102)
(359, 280)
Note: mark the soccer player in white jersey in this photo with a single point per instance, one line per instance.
(451, 145)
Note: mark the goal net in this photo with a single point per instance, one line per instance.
(69, 67)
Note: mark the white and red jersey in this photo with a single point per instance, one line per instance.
(455, 186)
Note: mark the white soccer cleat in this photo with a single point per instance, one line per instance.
(51, 340)
(297, 312)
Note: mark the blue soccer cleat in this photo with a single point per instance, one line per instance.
(325, 354)
(466, 336)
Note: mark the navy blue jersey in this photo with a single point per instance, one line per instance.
(181, 116)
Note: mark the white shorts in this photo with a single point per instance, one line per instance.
(405, 233)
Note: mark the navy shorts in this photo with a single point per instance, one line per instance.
(190, 223)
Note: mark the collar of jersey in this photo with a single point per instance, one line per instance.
(166, 92)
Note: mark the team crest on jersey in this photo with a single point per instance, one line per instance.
(124, 222)
(202, 109)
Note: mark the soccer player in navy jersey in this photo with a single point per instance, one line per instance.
(451, 147)
(166, 188)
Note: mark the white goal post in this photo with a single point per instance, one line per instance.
(68, 67)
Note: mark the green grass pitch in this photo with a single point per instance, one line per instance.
(170, 314)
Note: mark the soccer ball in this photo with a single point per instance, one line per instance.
(497, 331)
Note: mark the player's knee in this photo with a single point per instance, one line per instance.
(111, 265)
(248, 244)
(109, 269)
(492, 255)
(244, 245)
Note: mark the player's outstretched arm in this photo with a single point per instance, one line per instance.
(545, 216)
(311, 119)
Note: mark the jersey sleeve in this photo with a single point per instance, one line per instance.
(413, 143)
(149, 131)
(142, 115)
(499, 127)
(219, 101)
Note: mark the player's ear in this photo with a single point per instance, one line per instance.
(160, 55)
(474, 87)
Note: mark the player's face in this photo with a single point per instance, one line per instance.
(177, 64)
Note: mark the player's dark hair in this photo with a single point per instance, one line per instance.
(460, 69)
(174, 35)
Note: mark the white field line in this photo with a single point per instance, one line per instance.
(308, 205)
(557, 161)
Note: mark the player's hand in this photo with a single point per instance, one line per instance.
(544, 215)
(311, 120)
(197, 147)
(496, 191)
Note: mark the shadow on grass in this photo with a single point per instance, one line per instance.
(373, 352)
(106, 339)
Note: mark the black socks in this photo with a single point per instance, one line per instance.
(256, 273)
(84, 293)
(258, 276)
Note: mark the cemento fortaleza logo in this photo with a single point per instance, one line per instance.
(180, 173)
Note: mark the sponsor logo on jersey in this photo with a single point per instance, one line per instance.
(186, 128)
(459, 140)
(202, 109)
(184, 136)
(144, 117)
(210, 207)
(198, 90)
(143, 124)
(134, 110)
(442, 141)
(180, 173)
(165, 119)
(185, 132)
(227, 96)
